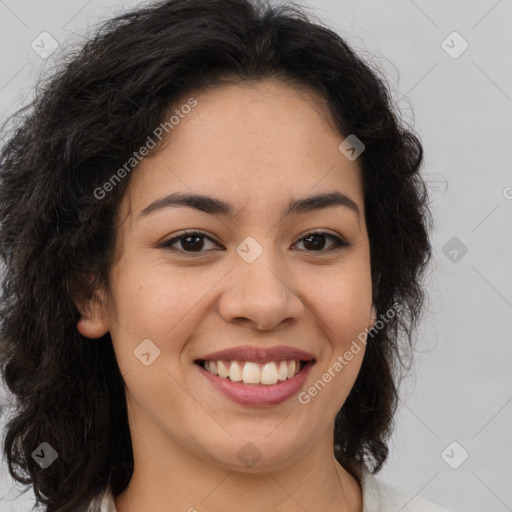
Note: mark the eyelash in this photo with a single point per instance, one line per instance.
(339, 243)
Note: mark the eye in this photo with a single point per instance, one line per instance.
(193, 242)
(190, 241)
(316, 241)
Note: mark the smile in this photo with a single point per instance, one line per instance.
(256, 394)
(252, 373)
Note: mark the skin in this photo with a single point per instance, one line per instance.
(256, 146)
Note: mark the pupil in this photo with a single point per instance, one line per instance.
(315, 245)
(196, 244)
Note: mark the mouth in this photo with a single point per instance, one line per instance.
(253, 373)
(255, 376)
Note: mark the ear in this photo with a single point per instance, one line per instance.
(93, 321)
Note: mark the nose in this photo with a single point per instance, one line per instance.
(261, 293)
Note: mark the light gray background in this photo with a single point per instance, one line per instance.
(462, 389)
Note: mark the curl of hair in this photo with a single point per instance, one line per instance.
(85, 122)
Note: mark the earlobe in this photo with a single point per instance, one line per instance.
(90, 328)
(93, 320)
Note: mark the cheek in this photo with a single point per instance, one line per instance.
(153, 303)
(342, 307)
(342, 301)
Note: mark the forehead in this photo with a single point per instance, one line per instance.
(254, 142)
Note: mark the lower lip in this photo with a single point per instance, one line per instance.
(258, 395)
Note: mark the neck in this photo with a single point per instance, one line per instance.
(175, 479)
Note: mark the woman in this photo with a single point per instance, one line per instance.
(213, 229)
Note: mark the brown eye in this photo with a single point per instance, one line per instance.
(190, 242)
(315, 242)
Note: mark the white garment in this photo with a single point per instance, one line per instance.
(377, 497)
(381, 497)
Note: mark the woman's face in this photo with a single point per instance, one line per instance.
(251, 282)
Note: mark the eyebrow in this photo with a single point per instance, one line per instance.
(215, 206)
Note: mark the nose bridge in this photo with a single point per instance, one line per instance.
(260, 287)
(259, 268)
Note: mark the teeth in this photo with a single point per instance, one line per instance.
(269, 373)
(282, 373)
(213, 367)
(249, 372)
(235, 371)
(291, 369)
(222, 369)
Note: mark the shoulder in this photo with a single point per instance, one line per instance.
(378, 496)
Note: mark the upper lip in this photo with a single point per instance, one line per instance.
(258, 354)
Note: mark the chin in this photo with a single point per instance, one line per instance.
(257, 452)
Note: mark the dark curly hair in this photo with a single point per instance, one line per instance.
(86, 120)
